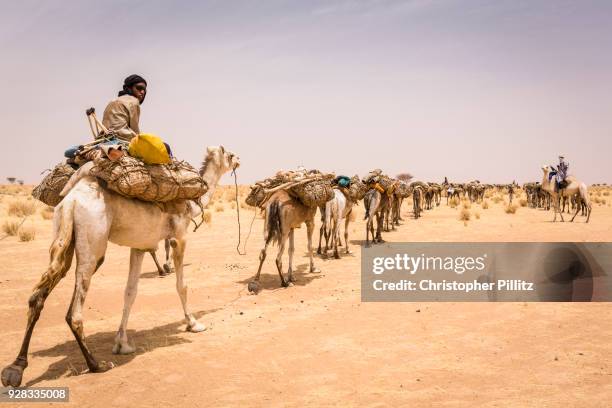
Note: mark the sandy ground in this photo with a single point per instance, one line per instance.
(314, 344)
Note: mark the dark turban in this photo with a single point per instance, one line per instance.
(129, 82)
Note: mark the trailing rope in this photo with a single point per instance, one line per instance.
(238, 215)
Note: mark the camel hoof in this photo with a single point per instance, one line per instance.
(253, 287)
(315, 270)
(102, 367)
(120, 348)
(289, 284)
(336, 256)
(349, 252)
(168, 269)
(12, 375)
(196, 327)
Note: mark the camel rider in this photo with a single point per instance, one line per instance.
(121, 115)
(562, 172)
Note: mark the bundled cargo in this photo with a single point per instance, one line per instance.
(49, 189)
(387, 183)
(402, 189)
(357, 189)
(312, 188)
(130, 177)
(381, 182)
(313, 193)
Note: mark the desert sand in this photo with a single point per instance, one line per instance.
(313, 344)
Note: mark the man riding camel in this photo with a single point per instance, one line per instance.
(122, 114)
(562, 173)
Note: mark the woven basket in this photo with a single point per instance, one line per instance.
(49, 189)
(313, 194)
(130, 177)
(357, 189)
(402, 190)
(256, 196)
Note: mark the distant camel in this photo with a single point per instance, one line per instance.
(375, 204)
(575, 187)
(284, 214)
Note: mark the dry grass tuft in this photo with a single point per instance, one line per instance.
(11, 226)
(477, 215)
(453, 202)
(219, 207)
(26, 234)
(466, 204)
(465, 214)
(207, 217)
(523, 202)
(511, 209)
(485, 204)
(21, 208)
(497, 199)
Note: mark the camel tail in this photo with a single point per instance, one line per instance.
(61, 250)
(274, 227)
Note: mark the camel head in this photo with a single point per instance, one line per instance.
(224, 160)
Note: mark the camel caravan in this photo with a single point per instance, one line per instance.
(136, 204)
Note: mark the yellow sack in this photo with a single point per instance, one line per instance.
(149, 148)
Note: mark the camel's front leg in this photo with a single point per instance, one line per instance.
(122, 345)
(309, 231)
(178, 253)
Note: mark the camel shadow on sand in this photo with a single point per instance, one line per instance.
(268, 281)
(101, 344)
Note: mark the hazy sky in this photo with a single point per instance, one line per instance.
(464, 89)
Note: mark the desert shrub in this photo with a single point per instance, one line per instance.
(21, 208)
(219, 207)
(477, 215)
(26, 234)
(496, 199)
(453, 202)
(207, 217)
(485, 204)
(510, 209)
(523, 202)
(466, 205)
(11, 226)
(464, 215)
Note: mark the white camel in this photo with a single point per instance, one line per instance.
(573, 188)
(88, 218)
(337, 211)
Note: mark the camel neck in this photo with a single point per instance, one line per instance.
(211, 176)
